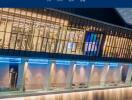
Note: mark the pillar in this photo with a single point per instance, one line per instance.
(21, 74)
(129, 75)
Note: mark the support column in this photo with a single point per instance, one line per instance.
(21, 74)
(129, 75)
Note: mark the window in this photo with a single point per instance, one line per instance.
(116, 47)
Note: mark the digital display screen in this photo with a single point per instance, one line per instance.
(92, 41)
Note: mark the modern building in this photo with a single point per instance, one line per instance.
(51, 50)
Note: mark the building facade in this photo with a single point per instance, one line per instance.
(51, 50)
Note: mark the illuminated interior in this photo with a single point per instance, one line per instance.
(59, 74)
(51, 74)
(113, 49)
(35, 75)
(81, 74)
(27, 34)
(50, 31)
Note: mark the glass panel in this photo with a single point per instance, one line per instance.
(59, 74)
(13, 40)
(7, 35)
(2, 32)
(124, 72)
(113, 75)
(81, 74)
(96, 74)
(4, 75)
(9, 74)
(35, 75)
(44, 44)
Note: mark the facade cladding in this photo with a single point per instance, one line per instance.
(55, 32)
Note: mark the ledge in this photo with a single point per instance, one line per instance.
(42, 92)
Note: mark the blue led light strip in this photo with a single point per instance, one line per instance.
(113, 65)
(99, 63)
(62, 62)
(82, 63)
(10, 60)
(38, 61)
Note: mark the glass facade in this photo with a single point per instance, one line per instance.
(46, 30)
(119, 47)
(50, 75)
(27, 30)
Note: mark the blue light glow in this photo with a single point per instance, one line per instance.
(10, 60)
(38, 61)
(113, 65)
(62, 62)
(99, 63)
(82, 63)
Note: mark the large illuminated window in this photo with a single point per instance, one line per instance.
(117, 47)
(39, 33)
(70, 41)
